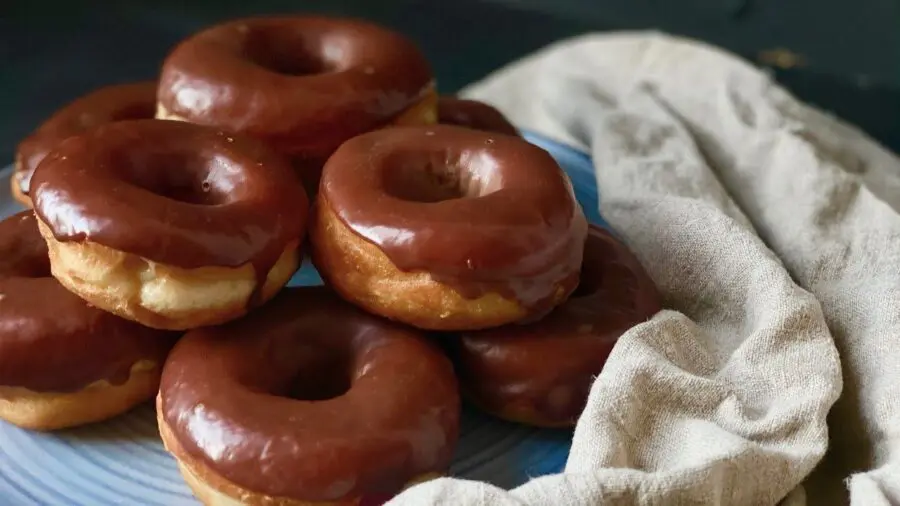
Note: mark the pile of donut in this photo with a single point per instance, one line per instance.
(169, 216)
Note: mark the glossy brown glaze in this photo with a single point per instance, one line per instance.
(473, 114)
(479, 212)
(312, 399)
(105, 105)
(50, 340)
(174, 193)
(544, 371)
(304, 84)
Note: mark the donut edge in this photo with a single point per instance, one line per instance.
(14, 188)
(519, 413)
(48, 411)
(157, 295)
(214, 490)
(421, 112)
(361, 273)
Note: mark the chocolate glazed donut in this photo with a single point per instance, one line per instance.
(540, 374)
(447, 228)
(473, 114)
(62, 362)
(170, 224)
(307, 400)
(303, 84)
(112, 103)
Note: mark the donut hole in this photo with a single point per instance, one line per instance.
(589, 283)
(283, 54)
(427, 179)
(326, 375)
(183, 177)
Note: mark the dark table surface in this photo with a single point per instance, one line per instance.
(52, 51)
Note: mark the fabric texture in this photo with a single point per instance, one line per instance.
(773, 233)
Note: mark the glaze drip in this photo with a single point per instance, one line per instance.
(479, 212)
(503, 369)
(51, 340)
(173, 193)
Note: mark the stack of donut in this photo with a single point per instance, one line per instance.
(168, 218)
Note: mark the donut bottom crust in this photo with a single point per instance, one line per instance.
(158, 295)
(361, 273)
(47, 411)
(214, 490)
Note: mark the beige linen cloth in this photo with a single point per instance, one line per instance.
(773, 232)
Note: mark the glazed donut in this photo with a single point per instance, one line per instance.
(305, 401)
(62, 362)
(112, 103)
(447, 228)
(473, 114)
(169, 224)
(304, 84)
(540, 374)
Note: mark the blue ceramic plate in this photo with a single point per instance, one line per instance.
(122, 461)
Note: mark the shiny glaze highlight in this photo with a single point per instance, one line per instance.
(473, 114)
(480, 212)
(312, 399)
(105, 105)
(173, 193)
(51, 340)
(547, 368)
(304, 84)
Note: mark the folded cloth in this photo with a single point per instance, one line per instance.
(773, 233)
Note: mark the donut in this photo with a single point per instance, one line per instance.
(105, 105)
(306, 401)
(62, 362)
(540, 374)
(303, 83)
(169, 224)
(447, 228)
(473, 114)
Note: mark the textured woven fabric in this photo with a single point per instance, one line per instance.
(773, 233)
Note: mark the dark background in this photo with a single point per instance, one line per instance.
(849, 51)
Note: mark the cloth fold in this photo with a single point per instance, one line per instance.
(773, 233)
